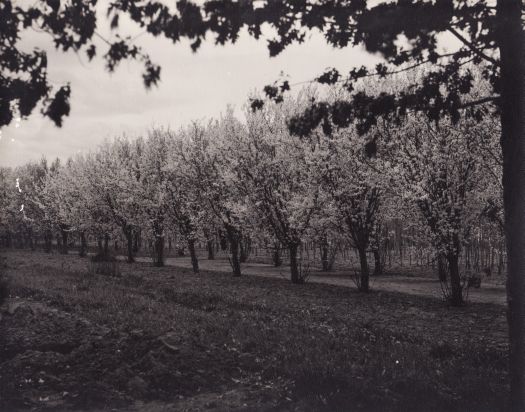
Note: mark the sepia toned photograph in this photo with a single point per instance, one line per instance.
(262, 205)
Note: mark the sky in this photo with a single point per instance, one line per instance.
(194, 86)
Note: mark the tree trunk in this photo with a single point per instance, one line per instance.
(276, 255)
(136, 242)
(442, 268)
(244, 246)
(399, 240)
(83, 245)
(500, 260)
(512, 109)
(159, 251)
(378, 267)
(294, 268)
(456, 297)
(48, 241)
(364, 283)
(59, 242)
(223, 241)
(233, 238)
(211, 249)
(106, 244)
(129, 240)
(64, 248)
(236, 264)
(324, 254)
(193, 255)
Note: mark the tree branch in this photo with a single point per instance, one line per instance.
(375, 74)
(472, 47)
(479, 101)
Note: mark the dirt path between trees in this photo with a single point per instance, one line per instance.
(491, 291)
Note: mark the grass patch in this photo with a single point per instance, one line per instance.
(308, 347)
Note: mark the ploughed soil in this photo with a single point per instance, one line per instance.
(157, 339)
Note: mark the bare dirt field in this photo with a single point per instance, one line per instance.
(166, 339)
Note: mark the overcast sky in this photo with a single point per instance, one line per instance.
(193, 86)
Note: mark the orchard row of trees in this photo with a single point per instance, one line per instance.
(251, 181)
(406, 34)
